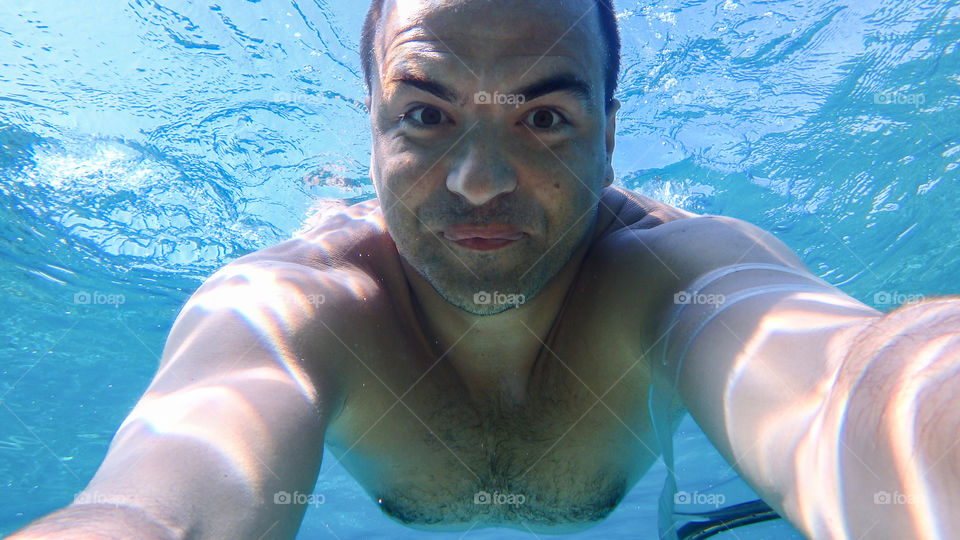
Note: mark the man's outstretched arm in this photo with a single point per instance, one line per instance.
(231, 426)
(842, 418)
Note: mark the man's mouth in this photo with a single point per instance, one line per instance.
(484, 238)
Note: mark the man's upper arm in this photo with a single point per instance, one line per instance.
(236, 413)
(754, 341)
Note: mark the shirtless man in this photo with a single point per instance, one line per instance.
(494, 320)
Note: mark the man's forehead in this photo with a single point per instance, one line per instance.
(474, 32)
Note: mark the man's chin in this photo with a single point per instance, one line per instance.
(495, 296)
(480, 309)
(487, 289)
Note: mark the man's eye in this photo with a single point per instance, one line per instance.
(424, 115)
(545, 119)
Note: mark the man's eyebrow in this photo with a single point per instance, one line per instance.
(429, 86)
(561, 82)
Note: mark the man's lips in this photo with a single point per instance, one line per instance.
(489, 232)
(485, 238)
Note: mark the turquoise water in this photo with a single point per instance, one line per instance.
(145, 144)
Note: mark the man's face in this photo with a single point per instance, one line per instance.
(491, 144)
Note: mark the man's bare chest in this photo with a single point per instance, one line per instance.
(430, 456)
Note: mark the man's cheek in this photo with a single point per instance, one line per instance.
(415, 184)
(393, 176)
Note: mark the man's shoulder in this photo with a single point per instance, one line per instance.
(342, 254)
(635, 223)
(655, 250)
(628, 221)
(337, 237)
(621, 208)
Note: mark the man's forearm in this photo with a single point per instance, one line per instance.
(95, 522)
(889, 431)
(824, 405)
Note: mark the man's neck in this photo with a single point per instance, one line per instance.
(493, 354)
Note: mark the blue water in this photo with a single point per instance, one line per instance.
(143, 145)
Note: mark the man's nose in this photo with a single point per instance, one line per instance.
(481, 173)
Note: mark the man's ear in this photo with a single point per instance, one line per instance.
(611, 142)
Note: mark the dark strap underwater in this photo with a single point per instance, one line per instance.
(724, 519)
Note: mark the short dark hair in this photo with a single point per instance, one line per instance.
(608, 27)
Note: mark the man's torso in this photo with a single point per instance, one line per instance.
(430, 455)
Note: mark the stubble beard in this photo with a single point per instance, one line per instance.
(519, 271)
